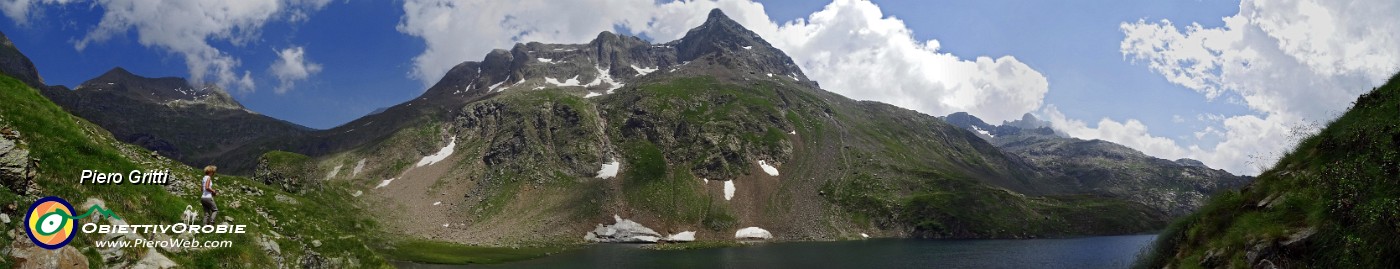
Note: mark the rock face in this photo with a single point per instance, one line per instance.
(623, 231)
(15, 64)
(752, 233)
(1100, 167)
(17, 170)
(32, 256)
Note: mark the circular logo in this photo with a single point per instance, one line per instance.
(50, 222)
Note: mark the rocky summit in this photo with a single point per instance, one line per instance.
(707, 133)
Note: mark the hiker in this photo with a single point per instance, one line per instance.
(210, 210)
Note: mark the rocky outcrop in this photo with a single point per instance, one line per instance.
(17, 170)
(623, 231)
(289, 171)
(15, 64)
(24, 254)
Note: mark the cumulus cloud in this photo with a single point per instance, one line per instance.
(186, 28)
(20, 10)
(845, 35)
(1291, 62)
(292, 66)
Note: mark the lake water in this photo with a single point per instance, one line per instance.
(1086, 252)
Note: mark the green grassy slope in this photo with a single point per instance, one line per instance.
(1334, 202)
(65, 145)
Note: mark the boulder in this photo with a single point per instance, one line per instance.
(17, 170)
(623, 231)
(752, 233)
(313, 260)
(24, 254)
(154, 260)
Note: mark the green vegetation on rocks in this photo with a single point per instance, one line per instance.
(1333, 202)
(291, 172)
(299, 226)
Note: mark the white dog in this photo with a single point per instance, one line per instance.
(190, 215)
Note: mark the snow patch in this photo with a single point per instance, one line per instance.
(642, 71)
(752, 233)
(437, 203)
(983, 132)
(384, 183)
(863, 235)
(444, 225)
(605, 77)
(494, 86)
(686, 236)
(334, 171)
(748, 47)
(440, 155)
(772, 171)
(358, 167)
(571, 82)
(793, 132)
(770, 75)
(545, 60)
(592, 94)
(728, 190)
(609, 170)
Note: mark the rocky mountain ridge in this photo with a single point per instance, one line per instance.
(1175, 187)
(194, 125)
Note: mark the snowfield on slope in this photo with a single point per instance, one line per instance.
(442, 154)
(609, 170)
(772, 171)
(728, 190)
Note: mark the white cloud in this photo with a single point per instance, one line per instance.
(292, 66)
(1250, 142)
(1291, 62)
(20, 10)
(845, 35)
(186, 27)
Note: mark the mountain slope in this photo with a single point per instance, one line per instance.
(194, 125)
(1330, 203)
(284, 229)
(1173, 187)
(711, 133)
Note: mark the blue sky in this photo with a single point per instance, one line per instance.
(1089, 66)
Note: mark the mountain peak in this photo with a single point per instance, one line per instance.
(717, 14)
(119, 72)
(745, 50)
(163, 90)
